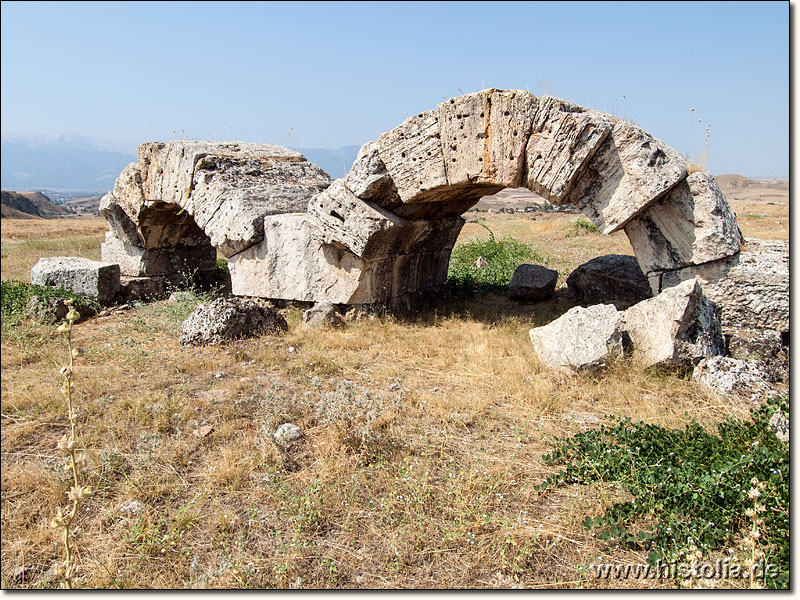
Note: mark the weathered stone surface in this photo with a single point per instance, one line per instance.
(733, 377)
(322, 314)
(611, 279)
(340, 218)
(464, 125)
(369, 180)
(582, 338)
(751, 288)
(288, 432)
(510, 120)
(142, 288)
(678, 327)
(135, 261)
(692, 224)
(131, 508)
(779, 423)
(227, 319)
(532, 282)
(412, 153)
(98, 280)
(629, 171)
(764, 346)
(563, 139)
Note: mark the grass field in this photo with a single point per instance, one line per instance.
(423, 440)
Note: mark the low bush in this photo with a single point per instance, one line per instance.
(696, 491)
(16, 294)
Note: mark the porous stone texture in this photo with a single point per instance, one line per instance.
(629, 171)
(322, 314)
(565, 136)
(764, 346)
(678, 327)
(611, 279)
(384, 232)
(288, 432)
(532, 282)
(98, 280)
(582, 338)
(227, 319)
(744, 379)
(751, 287)
(691, 225)
(779, 423)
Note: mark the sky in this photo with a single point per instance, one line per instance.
(326, 75)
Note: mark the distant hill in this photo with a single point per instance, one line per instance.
(67, 162)
(34, 204)
(85, 206)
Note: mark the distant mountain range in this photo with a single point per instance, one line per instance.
(30, 205)
(77, 163)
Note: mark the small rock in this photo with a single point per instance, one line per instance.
(532, 282)
(131, 507)
(288, 432)
(227, 319)
(779, 423)
(23, 573)
(744, 379)
(480, 262)
(322, 314)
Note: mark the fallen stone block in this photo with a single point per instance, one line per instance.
(228, 319)
(98, 280)
(629, 171)
(765, 346)
(564, 138)
(692, 224)
(582, 338)
(369, 180)
(532, 283)
(751, 288)
(611, 279)
(322, 314)
(744, 379)
(142, 288)
(679, 327)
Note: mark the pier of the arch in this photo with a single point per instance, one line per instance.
(384, 232)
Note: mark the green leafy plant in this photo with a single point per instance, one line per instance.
(582, 225)
(487, 265)
(14, 296)
(697, 486)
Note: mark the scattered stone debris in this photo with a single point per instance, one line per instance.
(532, 283)
(227, 319)
(744, 379)
(322, 314)
(611, 279)
(288, 432)
(131, 508)
(780, 425)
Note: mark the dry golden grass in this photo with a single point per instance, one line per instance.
(422, 444)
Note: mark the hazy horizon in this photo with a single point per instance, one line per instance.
(329, 75)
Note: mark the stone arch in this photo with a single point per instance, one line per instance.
(384, 232)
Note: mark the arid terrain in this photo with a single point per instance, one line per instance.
(422, 439)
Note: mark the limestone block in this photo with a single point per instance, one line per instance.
(98, 280)
(679, 327)
(744, 379)
(582, 338)
(692, 224)
(140, 262)
(751, 287)
(292, 263)
(412, 153)
(564, 137)
(464, 135)
(611, 279)
(532, 282)
(369, 180)
(630, 170)
(510, 120)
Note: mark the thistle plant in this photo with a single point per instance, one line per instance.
(74, 461)
(754, 535)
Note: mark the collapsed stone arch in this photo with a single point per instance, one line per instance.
(384, 232)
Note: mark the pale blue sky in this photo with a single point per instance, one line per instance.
(335, 74)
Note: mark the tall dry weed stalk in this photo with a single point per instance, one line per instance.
(74, 461)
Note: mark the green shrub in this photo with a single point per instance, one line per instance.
(698, 487)
(465, 276)
(15, 295)
(580, 224)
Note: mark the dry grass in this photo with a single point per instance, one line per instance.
(422, 444)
